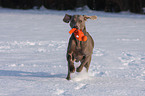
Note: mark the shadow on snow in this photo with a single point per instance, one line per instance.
(30, 74)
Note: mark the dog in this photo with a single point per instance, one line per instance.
(79, 50)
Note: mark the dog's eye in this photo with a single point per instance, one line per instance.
(80, 21)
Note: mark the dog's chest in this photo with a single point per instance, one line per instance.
(78, 54)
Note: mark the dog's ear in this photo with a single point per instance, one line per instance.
(90, 17)
(67, 18)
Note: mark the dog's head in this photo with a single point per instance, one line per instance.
(77, 21)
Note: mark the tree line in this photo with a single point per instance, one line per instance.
(135, 6)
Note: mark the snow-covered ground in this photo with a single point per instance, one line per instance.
(33, 47)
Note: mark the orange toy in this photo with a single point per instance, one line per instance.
(78, 34)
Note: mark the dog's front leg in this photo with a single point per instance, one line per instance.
(71, 68)
(85, 61)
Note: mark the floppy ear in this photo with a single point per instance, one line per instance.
(67, 18)
(90, 17)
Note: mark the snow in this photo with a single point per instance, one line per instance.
(33, 47)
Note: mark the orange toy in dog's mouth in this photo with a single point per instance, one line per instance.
(78, 34)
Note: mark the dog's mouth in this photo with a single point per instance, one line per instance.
(77, 28)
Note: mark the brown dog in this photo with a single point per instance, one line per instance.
(79, 50)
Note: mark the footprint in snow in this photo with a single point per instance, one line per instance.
(59, 92)
(130, 59)
(81, 86)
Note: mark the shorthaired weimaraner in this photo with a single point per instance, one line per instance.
(79, 50)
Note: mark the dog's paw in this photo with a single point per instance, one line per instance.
(72, 69)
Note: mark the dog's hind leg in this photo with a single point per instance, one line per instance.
(87, 65)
